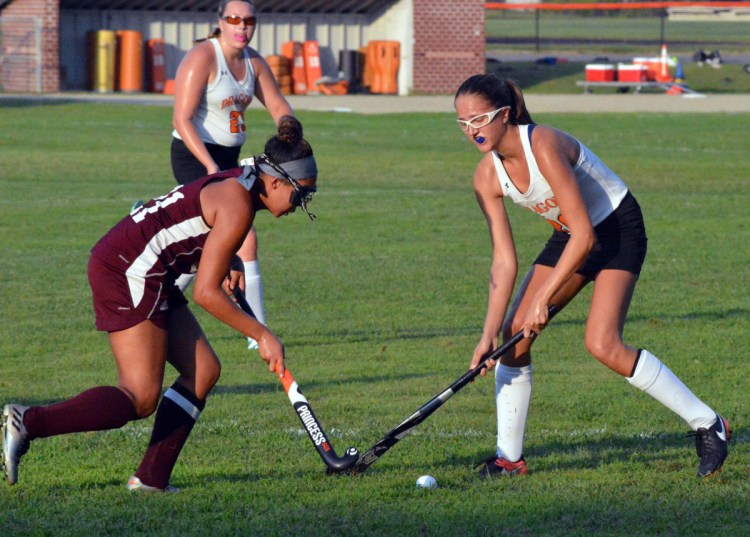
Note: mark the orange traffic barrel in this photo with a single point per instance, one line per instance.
(101, 60)
(280, 69)
(385, 57)
(293, 52)
(371, 77)
(391, 59)
(129, 61)
(156, 70)
(313, 69)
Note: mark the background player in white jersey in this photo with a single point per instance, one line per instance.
(132, 272)
(598, 236)
(215, 83)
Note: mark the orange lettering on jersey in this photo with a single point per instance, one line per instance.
(560, 224)
(243, 100)
(545, 206)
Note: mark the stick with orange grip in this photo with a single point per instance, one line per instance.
(314, 429)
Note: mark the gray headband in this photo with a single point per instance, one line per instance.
(303, 168)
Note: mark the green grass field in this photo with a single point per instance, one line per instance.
(380, 303)
(618, 30)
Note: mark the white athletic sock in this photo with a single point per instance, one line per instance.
(254, 290)
(184, 280)
(654, 378)
(513, 396)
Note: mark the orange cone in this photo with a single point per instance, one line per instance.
(675, 90)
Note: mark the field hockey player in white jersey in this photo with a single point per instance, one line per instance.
(215, 83)
(598, 236)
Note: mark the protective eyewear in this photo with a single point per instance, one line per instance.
(482, 120)
(234, 20)
(301, 195)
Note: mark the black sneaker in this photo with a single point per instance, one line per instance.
(712, 446)
(495, 466)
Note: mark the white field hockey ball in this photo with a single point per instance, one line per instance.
(427, 482)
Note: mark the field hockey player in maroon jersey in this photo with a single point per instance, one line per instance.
(132, 271)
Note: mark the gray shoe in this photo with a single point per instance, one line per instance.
(136, 485)
(15, 440)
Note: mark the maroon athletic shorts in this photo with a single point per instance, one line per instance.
(114, 306)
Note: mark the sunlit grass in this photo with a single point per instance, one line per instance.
(380, 303)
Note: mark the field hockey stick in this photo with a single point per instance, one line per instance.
(319, 438)
(408, 425)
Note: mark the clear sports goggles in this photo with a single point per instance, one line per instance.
(482, 120)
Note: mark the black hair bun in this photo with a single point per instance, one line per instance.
(290, 130)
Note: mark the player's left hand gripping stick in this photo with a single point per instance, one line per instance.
(314, 429)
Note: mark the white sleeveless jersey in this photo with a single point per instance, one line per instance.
(602, 190)
(220, 116)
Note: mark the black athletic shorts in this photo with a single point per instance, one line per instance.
(620, 242)
(186, 168)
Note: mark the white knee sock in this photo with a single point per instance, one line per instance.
(513, 396)
(254, 290)
(184, 280)
(654, 378)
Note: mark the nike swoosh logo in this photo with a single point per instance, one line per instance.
(721, 430)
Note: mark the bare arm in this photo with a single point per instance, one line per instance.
(504, 263)
(555, 153)
(193, 75)
(228, 211)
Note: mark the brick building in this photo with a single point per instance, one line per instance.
(43, 42)
(30, 45)
(449, 41)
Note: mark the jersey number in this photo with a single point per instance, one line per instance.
(560, 224)
(139, 215)
(236, 122)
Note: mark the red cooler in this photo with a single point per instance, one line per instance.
(632, 73)
(600, 72)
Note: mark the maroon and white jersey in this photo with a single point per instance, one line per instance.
(162, 239)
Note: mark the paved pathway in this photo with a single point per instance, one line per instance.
(377, 104)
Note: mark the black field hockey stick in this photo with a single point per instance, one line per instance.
(408, 425)
(319, 438)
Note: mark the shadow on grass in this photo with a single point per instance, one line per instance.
(255, 389)
(379, 337)
(559, 455)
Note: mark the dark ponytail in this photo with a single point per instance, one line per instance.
(498, 92)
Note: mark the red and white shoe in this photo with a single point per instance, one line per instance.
(495, 466)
